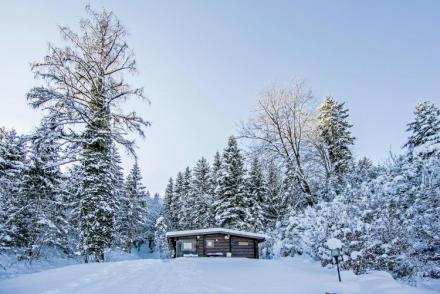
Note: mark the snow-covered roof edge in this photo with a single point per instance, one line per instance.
(214, 231)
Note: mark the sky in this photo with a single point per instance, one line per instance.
(204, 63)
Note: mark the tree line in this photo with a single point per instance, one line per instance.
(298, 181)
(254, 189)
(225, 193)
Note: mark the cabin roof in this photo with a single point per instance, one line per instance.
(257, 236)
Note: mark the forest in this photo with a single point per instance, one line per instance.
(298, 181)
(288, 172)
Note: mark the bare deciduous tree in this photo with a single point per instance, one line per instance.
(283, 126)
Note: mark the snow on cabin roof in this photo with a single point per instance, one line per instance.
(216, 230)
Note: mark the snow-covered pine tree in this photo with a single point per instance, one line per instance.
(72, 189)
(256, 192)
(160, 239)
(97, 204)
(215, 170)
(186, 201)
(137, 208)
(154, 211)
(120, 198)
(424, 130)
(175, 208)
(232, 208)
(334, 130)
(272, 208)
(43, 189)
(84, 93)
(14, 225)
(168, 199)
(201, 213)
(290, 192)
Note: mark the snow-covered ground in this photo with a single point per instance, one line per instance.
(202, 275)
(10, 267)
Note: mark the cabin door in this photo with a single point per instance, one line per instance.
(179, 249)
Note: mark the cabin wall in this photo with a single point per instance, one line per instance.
(244, 247)
(221, 245)
(238, 246)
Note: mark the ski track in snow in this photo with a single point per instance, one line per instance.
(202, 275)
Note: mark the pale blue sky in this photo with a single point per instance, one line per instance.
(203, 63)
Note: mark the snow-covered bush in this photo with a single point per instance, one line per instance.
(160, 238)
(389, 221)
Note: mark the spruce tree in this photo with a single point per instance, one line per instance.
(154, 211)
(14, 224)
(291, 194)
(273, 203)
(334, 130)
(175, 207)
(97, 204)
(215, 170)
(168, 200)
(231, 206)
(43, 189)
(424, 131)
(72, 189)
(160, 238)
(137, 208)
(120, 198)
(256, 192)
(201, 213)
(186, 201)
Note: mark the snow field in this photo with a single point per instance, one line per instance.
(203, 275)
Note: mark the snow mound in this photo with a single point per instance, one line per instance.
(334, 243)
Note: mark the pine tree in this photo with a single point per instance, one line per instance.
(186, 201)
(290, 190)
(97, 205)
(43, 189)
(14, 225)
(273, 203)
(175, 207)
(160, 238)
(231, 206)
(72, 189)
(215, 171)
(154, 211)
(137, 208)
(120, 198)
(168, 200)
(424, 130)
(334, 130)
(216, 165)
(201, 213)
(256, 192)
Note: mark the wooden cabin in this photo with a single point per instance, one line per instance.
(215, 242)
